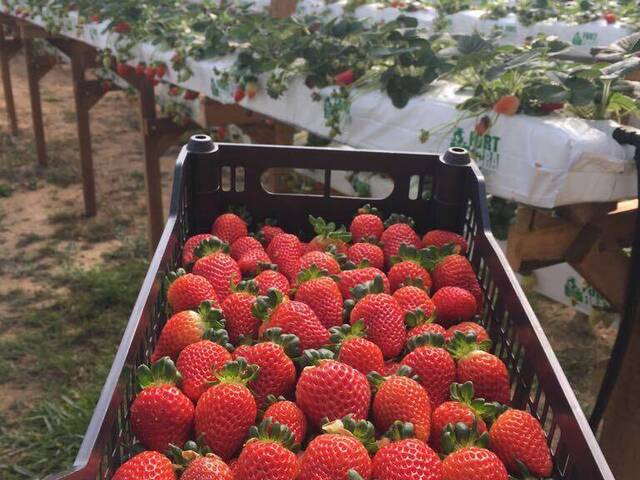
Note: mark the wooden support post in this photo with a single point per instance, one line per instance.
(7, 49)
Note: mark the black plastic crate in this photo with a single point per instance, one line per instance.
(445, 192)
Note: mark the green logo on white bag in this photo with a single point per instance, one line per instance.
(584, 38)
(584, 294)
(483, 148)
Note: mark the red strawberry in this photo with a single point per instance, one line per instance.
(197, 362)
(411, 297)
(399, 397)
(549, 107)
(216, 266)
(454, 305)
(275, 310)
(331, 389)
(161, 414)
(373, 254)
(241, 324)
(267, 279)
(226, 411)
(328, 234)
(161, 70)
(609, 17)
(123, 69)
(433, 364)
(419, 324)
(229, 227)
(238, 95)
(461, 409)
(243, 245)
(439, 238)
(487, 372)
(464, 327)
(322, 260)
(382, 316)
(516, 436)
(288, 414)
(95, 18)
(406, 458)
(191, 95)
(482, 126)
(150, 72)
(250, 262)
(273, 356)
(507, 105)
(408, 266)
(451, 270)
(204, 467)
(251, 89)
(268, 231)
(356, 351)
(267, 454)
(322, 294)
(121, 27)
(285, 250)
(341, 452)
(188, 291)
(140, 68)
(147, 465)
(351, 278)
(107, 85)
(189, 247)
(185, 328)
(367, 224)
(399, 231)
(473, 463)
(345, 78)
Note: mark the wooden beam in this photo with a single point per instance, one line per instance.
(29, 31)
(282, 8)
(216, 114)
(283, 133)
(5, 56)
(36, 103)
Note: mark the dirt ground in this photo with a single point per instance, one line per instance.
(67, 282)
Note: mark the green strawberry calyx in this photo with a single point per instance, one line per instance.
(162, 373)
(173, 276)
(211, 246)
(182, 457)
(376, 379)
(247, 286)
(372, 286)
(341, 258)
(269, 430)
(413, 282)
(219, 336)
(368, 209)
(270, 400)
(242, 212)
(265, 304)
(463, 393)
(362, 430)
(237, 371)
(345, 332)
(433, 255)
(289, 342)
(210, 317)
(312, 273)
(262, 266)
(329, 231)
(426, 340)
(462, 344)
(409, 253)
(416, 317)
(399, 218)
(460, 435)
(399, 430)
(311, 357)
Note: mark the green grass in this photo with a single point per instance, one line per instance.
(5, 190)
(76, 227)
(28, 239)
(68, 340)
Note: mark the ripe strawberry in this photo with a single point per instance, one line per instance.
(322, 294)
(549, 107)
(454, 305)
(328, 234)
(610, 18)
(451, 270)
(275, 310)
(507, 105)
(356, 351)
(250, 262)
(95, 18)
(161, 414)
(433, 364)
(226, 410)
(107, 85)
(411, 297)
(121, 27)
(238, 95)
(344, 78)
(322, 260)
(288, 414)
(462, 408)
(382, 316)
(140, 68)
(147, 465)
(221, 133)
(367, 224)
(464, 327)
(243, 245)
(373, 254)
(517, 436)
(185, 328)
(191, 95)
(391, 367)
(216, 266)
(482, 126)
(229, 227)
(285, 250)
(399, 397)
(187, 291)
(409, 265)
(123, 69)
(204, 467)
(419, 324)
(406, 458)
(331, 389)
(349, 279)
(267, 454)
(267, 279)
(197, 362)
(398, 231)
(473, 463)
(487, 372)
(273, 355)
(150, 72)
(340, 452)
(161, 70)
(251, 89)
(189, 247)
(439, 238)
(240, 322)
(268, 231)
